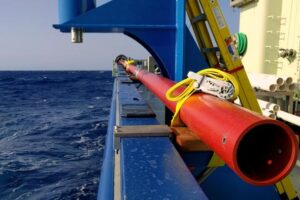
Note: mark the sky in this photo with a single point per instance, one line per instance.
(28, 41)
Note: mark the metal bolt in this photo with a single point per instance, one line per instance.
(76, 35)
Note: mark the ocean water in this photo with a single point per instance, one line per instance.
(52, 133)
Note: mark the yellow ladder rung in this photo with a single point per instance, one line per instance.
(197, 17)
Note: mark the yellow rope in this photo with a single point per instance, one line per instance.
(130, 62)
(189, 90)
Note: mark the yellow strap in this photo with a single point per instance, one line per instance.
(130, 62)
(127, 63)
(215, 161)
(189, 90)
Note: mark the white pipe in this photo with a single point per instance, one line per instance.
(270, 88)
(287, 87)
(298, 163)
(267, 105)
(267, 78)
(293, 119)
(283, 87)
(265, 108)
(292, 87)
(288, 80)
(260, 83)
(267, 113)
(297, 87)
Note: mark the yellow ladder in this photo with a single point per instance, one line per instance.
(198, 18)
(200, 11)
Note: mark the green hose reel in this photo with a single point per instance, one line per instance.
(241, 43)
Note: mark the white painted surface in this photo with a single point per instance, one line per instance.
(271, 25)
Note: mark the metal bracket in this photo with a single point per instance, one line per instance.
(136, 110)
(219, 88)
(201, 17)
(241, 3)
(139, 131)
(147, 22)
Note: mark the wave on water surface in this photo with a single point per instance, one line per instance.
(52, 133)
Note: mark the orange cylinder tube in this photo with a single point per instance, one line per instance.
(260, 150)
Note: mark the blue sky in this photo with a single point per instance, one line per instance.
(28, 41)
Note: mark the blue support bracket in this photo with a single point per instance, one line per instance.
(159, 26)
(180, 40)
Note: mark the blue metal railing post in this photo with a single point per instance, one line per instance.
(106, 186)
(180, 40)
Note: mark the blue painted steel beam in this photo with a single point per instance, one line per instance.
(223, 183)
(180, 41)
(118, 15)
(106, 185)
(159, 26)
(153, 169)
(69, 9)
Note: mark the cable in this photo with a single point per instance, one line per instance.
(242, 43)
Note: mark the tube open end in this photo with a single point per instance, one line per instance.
(267, 153)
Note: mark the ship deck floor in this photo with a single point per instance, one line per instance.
(295, 176)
